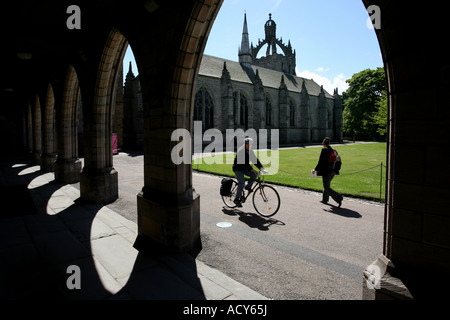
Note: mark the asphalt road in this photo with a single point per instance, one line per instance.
(308, 250)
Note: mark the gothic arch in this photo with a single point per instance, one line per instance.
(37, 130)
(205, 107)
(111, 60)
(168, 94)
(415, 230)
(242, 108)
(292, 112)
(67, 120)
(414, 238)
(48, 131)
(206, 87)
(67, 165)
(99, 180)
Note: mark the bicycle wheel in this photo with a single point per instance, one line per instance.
(229, 200)
(266, 200)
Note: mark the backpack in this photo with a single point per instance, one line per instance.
(225, 187)
(335, 161)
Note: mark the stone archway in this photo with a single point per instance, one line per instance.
(29, 129)
(67, 165)
(37, 131)
(99, 179)
(415, 237)
(416, 243)
(168, 41)
(168, 206)
(48, 156)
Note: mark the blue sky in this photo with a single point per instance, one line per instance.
(331, 37)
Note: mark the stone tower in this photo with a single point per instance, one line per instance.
(133, 120)
(273, 60)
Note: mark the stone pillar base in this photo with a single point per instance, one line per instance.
(166, 224)
(48, 162)
(67, 170)
(100, 187)
(379, 284)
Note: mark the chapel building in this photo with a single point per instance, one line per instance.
(254, 93)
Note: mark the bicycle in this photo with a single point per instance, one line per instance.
(266, 199)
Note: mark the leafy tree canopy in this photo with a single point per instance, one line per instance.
(362, 102)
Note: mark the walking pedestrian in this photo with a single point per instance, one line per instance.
(325, 169)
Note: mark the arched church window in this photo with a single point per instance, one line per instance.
(268, 112)
(292, 113)
(204, 109)
(198, 106)
(244, 110)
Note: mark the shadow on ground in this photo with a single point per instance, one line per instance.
(253, 220)
(41, 236)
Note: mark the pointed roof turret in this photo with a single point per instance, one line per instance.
(225, 72)
(282, 83)
(130, 74)
(304, 88)
(245, 56)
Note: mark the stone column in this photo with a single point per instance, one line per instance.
(338, 120)
(168, 206)
(29, 131)
(417, 221)
(37, 132)
(322, 116)
(259, 120)
(305, 115)
(99, 180)
(227, 116)
(283, 121)
(48, 156)
(67, 165)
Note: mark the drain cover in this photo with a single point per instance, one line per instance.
(224, 224)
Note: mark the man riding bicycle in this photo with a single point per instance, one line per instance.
(242, 168)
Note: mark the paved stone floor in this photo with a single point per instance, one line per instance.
(40, 244)
(312, 252)
(308, 250)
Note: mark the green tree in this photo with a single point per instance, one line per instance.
(360, 101)
(380, 116)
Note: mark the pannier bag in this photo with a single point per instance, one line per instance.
(225, 187)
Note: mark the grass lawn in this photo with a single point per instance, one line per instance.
(360, 174)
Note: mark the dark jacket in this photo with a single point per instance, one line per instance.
(323, 168)
(243, 158)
